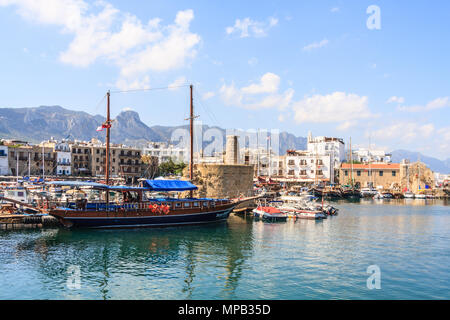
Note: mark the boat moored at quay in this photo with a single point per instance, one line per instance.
(133, 209)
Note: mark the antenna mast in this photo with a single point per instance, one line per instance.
(191, 121)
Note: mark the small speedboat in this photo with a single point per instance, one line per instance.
(269, 213)
(420, 196)
(302, 213)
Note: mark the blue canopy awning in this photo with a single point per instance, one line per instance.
(169, 185)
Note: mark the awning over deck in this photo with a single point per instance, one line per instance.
(169, 185)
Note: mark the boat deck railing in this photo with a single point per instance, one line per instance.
(155, 206)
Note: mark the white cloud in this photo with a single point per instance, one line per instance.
(338, 107)
(253, 61)
(438, 103)
(269, 83)
(404, 132)
(316, 45)
(208, 95)
(346, 125)
(177, 83)
(136, 84)
(444, 141)
(335, 9)
(250, 28)
(395, 99)
(258, 95)
(102, 32)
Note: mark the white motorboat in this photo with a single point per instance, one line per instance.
(409, 195)
(368, 192)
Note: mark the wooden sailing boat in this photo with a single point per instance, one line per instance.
(135, 210)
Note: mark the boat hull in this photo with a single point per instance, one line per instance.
(142, 221)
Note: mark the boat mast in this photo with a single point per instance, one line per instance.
(351, 160)
(17, 167)
(257, 153)
(107, 137)
(370, 162)
(108, 120)
(43, 164)
(191, 125)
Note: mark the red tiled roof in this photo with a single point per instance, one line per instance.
(385, 166)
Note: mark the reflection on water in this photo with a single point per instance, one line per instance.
(242, 259)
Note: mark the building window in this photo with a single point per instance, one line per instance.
(291, 172)
(381, 173)
(303, 173)
(346, 172)
(291, 162)
(358, 173)
(393, 173)
(369, 173)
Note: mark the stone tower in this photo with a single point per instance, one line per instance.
(232, 150)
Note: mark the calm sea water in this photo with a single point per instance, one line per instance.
(241, 259)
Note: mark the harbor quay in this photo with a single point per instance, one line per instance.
(324, 171)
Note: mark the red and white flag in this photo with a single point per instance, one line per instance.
(104, 125)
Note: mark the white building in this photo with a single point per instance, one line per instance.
(305, 166)
(164, 151)
(4, 169)
(63, 158)
(63, 155)
(265, 163)
(373, 156)
(334, 147)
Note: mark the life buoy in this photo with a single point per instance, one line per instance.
(166, 209)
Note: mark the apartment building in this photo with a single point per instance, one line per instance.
(304, 166)
(381, 175)
(165, 151)
(374, 156)
(25, 159)
(63, 156)
(334, 147)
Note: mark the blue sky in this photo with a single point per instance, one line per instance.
(289, 65)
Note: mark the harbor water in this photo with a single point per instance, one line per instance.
(406, 240)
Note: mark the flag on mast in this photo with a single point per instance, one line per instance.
(103, 126)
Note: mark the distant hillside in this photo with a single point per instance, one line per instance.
(433, 163)
(41, 123)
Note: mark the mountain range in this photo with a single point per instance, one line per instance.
(41, 123)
